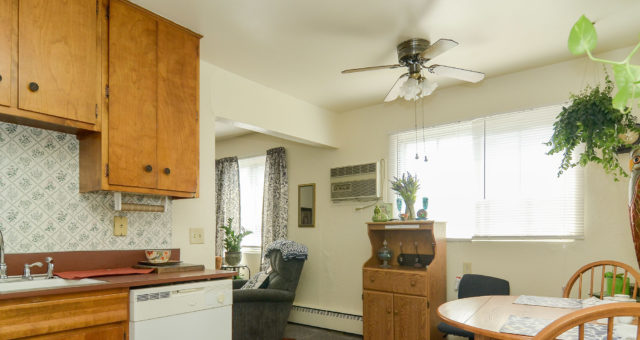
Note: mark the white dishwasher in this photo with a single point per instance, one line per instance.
(195, 311)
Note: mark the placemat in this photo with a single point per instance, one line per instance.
(547, 301)
(522, 325)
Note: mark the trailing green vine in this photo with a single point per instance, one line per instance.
(583, 39)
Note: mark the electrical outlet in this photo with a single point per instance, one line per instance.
(119, 226)
(196, 235)
(466, 267)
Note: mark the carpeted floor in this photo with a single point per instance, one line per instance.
(303, 332)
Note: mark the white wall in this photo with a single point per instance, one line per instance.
(339, 245)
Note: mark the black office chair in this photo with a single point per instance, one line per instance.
(475, 285)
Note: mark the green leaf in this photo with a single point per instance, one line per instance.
(626, 77)
(582, 37)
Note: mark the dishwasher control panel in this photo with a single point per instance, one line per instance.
(156, 302)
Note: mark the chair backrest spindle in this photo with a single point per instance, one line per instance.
(608, 285)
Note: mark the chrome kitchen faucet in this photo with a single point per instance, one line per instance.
(3, 266)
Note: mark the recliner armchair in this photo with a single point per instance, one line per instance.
(263, 313)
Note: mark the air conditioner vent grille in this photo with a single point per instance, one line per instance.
(356, 182)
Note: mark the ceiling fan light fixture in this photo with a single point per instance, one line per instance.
(413, 89)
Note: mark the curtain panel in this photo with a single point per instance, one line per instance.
(275, 207)
(227, 197)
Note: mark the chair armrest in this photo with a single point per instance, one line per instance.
(265, 295)
(238, 283)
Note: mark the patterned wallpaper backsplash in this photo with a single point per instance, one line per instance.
(41, 209)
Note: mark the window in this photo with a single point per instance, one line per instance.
(251, 189)
(491, 178)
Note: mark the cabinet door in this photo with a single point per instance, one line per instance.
(132, 97)
(6, 24)
(411, 317)
(58, 58)
(377, 315)
(106, 332)
(178, 131)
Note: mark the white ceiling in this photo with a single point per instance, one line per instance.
(300, 47)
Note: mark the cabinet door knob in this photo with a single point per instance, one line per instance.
(148, 168)
(413, 283)
(33, 87)
(372, 279)
(388, 310)
(167, 171)
(395, 312)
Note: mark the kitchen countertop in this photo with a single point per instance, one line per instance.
(126, 281)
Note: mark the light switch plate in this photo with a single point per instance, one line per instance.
(196, 235)
(119, 225)
(466, 268)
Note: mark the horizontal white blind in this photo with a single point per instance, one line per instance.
(491, 177)
(251, 189)
(448, 178)
(523, 195)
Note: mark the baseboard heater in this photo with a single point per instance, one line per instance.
(343, 322)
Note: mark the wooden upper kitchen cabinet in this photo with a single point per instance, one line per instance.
(53, 80)
(6, 24)
(150, 137)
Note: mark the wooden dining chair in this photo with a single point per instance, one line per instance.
(582, 316)
(593, 276)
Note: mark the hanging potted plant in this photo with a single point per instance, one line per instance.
(232, 242)
(407, 187)
(592, 121)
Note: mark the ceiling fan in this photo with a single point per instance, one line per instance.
(414, 54)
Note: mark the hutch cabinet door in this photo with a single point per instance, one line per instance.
(411, 317)
(6, 29)
(178, 129)
(378, 315)
(132, 97)
(58, 60)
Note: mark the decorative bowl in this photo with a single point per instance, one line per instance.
(157, 255)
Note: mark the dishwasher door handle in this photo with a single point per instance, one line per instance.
(188, 291)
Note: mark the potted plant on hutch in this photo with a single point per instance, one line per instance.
(232, 241)
(407, 187)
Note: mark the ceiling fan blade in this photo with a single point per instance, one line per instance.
(371, 68)
(437, 48)
(457, 73)
(395, 89)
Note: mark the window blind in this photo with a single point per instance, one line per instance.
(251, 191)
(491, 178)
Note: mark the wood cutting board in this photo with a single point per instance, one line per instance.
(178, 267)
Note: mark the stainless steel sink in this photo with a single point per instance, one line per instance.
(17, 284)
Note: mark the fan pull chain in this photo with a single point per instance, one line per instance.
(424, 143)
(415, 121)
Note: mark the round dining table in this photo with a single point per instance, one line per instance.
(485, 315)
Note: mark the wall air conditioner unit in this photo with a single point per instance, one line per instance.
(357, 182)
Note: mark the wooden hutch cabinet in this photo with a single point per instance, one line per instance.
(400, 302)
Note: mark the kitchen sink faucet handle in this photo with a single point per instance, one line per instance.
(49, 261)
(27, 270)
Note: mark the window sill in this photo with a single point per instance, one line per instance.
(251, 250)
(518, 240)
